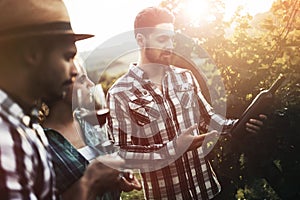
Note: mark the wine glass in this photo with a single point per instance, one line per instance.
(96, 116)
(97, 113)
(101, 108)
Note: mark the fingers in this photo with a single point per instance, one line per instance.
(125, 185)
(255, 122)
(251, 130)
(198, 140)
(104, 173)
(186, 139)
(254, 125)
(212, 133)
(129, 182)
(258, 122)
(190, 130)
(263, 117)
(129, 185)
(194, 141)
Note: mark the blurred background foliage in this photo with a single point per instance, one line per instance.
(248, 53)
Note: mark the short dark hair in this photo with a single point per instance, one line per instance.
(151, 16)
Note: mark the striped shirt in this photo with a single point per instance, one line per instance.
(145, 122)
(25, 164)
(69, 164)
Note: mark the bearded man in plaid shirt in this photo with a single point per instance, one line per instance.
(159, 117)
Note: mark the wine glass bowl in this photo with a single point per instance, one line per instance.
(97, 111)
(92, 113)
(102, 114)
(95, 117)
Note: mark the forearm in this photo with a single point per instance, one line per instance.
(211, 118)
(147, 152)
(149, 160)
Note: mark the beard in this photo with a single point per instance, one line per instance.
(64, 93)
(48, 94)
(50, 100)
(158, 56)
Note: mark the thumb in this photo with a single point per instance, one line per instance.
(213, 132)
(190, 130)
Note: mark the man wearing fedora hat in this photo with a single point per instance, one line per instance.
(37, 47)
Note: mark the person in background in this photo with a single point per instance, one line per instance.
(160, 107)
(71, 155)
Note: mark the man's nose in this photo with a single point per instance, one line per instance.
(90, 83)
(74, 71)
(74, 74)
(170, 45)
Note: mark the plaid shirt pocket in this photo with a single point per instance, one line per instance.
(143, 110)
(185, 93)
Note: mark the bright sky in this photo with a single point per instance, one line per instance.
(104, 18)
(108, 18)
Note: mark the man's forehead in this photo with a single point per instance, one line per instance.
(164, 29)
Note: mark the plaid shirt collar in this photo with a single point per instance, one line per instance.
(9, 108)
(141, 75)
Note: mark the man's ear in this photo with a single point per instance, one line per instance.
(33, 54)
(141, 40)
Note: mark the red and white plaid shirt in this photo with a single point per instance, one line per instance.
(26, 170)
(145, 122)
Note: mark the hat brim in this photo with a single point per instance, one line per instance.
(77, 37)
(82, 36)
(50, 29)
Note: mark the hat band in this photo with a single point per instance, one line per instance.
(49, 27)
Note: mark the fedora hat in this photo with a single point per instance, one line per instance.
(27, 18)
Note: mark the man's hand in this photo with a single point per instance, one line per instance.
(128, 181)
(101, 175)
(254, 125)
(191, 142)
(106, 174)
